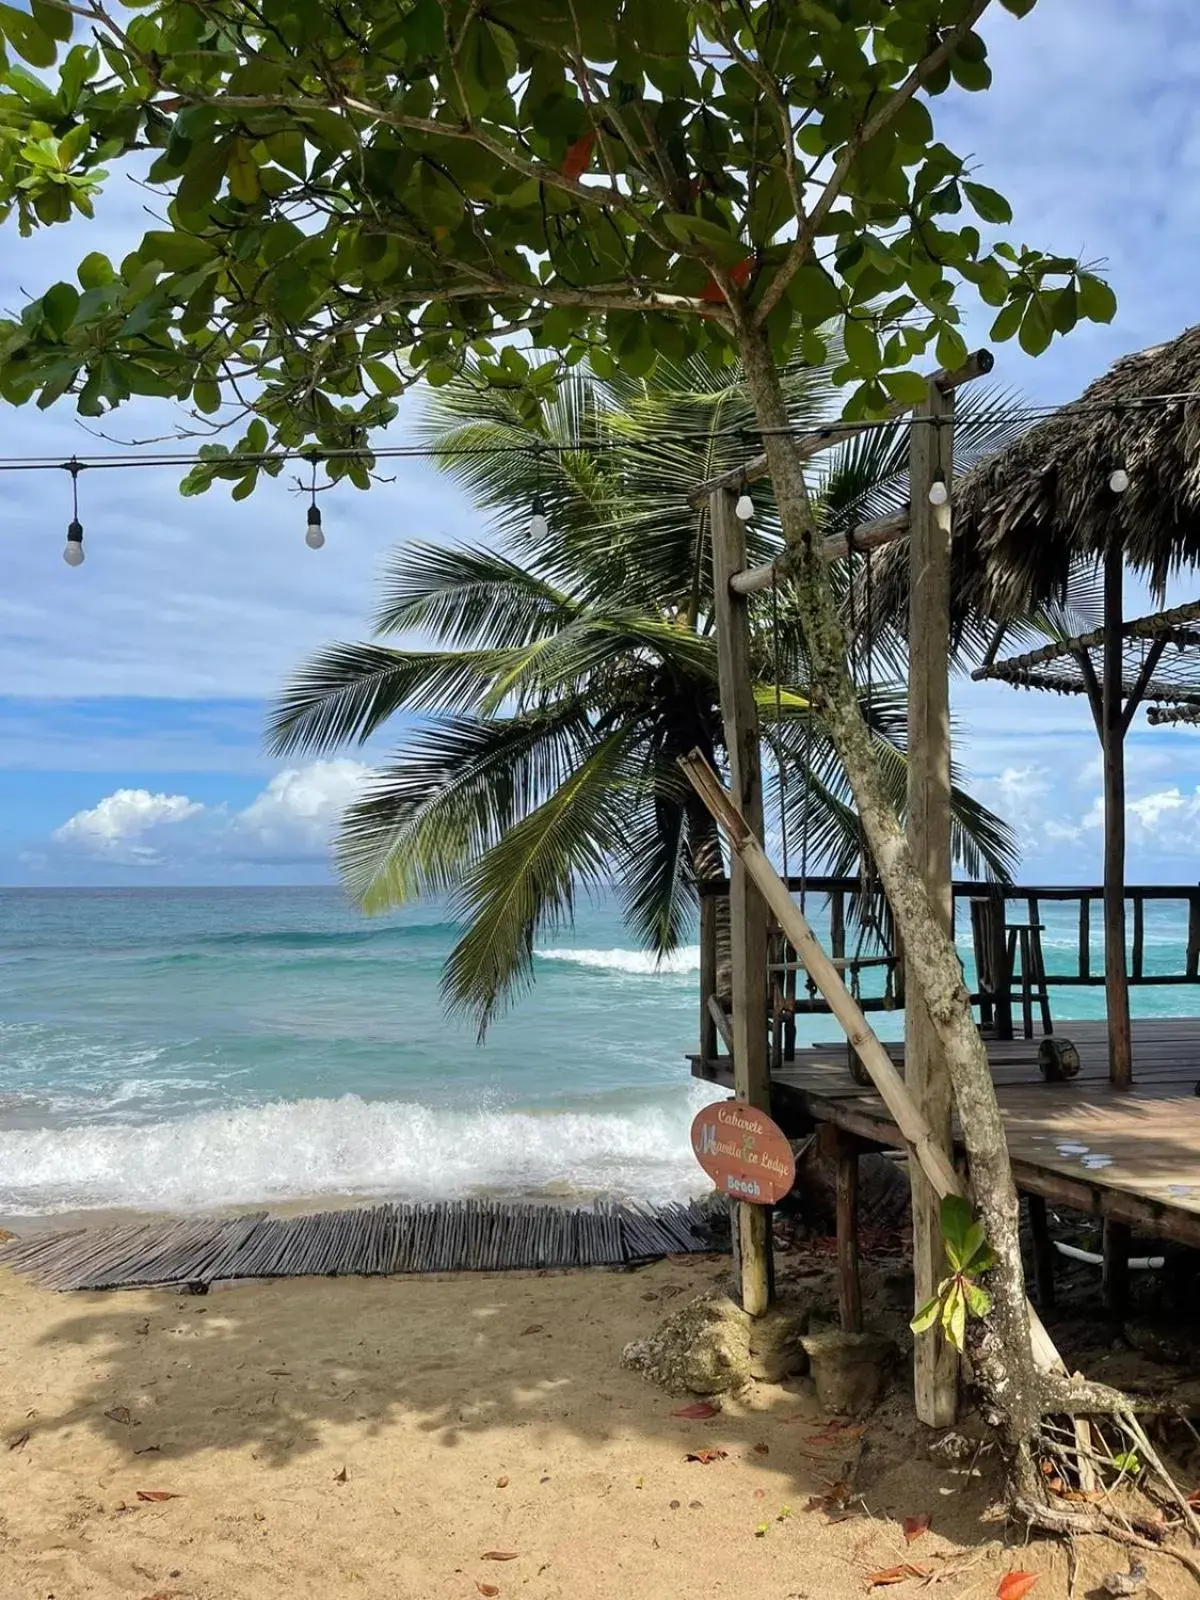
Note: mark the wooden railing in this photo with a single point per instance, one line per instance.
(1004, 930)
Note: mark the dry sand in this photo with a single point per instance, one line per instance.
(376, 1438)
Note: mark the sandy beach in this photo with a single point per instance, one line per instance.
(393, 1438)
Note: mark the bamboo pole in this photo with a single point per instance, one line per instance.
(931, 461)
(1116, 982)
(747, 911)
(904, 1111)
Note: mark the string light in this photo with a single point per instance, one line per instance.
(538, 526)
(745, 506)
(73, 550)
(1118, 480)
(314, 536)
(939, 493)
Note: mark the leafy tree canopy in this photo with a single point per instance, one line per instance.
(355, 195)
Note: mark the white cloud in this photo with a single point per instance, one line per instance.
(1152, 808)
(292, 821)
(121, 827)
(296, 815)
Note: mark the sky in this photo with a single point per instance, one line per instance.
(133, 689)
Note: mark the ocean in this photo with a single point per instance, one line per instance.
(175, 1049)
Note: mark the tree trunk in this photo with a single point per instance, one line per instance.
(1003, 1357)
(704, 841)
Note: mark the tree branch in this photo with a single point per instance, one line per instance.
(866, 132)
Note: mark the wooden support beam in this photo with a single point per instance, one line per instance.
(1043, 1251)
(811, 444)
(1115, 1272)
(930, 461)
(849, 1283)
(747, 909)
(867, 536)
(905, 1113)
(720, 1024)
(1116, 983)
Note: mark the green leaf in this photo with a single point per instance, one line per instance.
(256, 436)
(201, 181)
(988, 204)
(1097, 302)
(862, 347)
(207, 395)
(30, 41)
(908, 387)
(1009, 320)
(1036, 328)
(710, 236)
(956, 1216)
(60, 305)
(1127, 1461)
(951, 348)
(52, 20)
(926, 1316)
(979, 1301)
(1019, 8)
(954, 1318)
(815, 295)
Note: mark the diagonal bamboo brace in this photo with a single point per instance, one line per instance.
(906, 1114)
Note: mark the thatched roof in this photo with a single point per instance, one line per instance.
(1042, 506)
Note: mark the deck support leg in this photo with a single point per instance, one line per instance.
(747, 909)
(849, 1283)
(1116, 1267)
(931, 460)
(1043, 1250)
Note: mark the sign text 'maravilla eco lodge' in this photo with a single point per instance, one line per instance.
(743, 1152)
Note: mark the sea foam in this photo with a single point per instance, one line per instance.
(640, 963)
(287, 1150)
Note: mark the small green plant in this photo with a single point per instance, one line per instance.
(969, 1256)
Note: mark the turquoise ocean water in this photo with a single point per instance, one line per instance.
(181, 1048)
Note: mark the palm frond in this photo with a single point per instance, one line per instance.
(468, 596)
(530, 878)
(459, 786)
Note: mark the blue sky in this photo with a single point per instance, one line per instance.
(132, 690)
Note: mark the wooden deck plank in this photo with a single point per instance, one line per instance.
(1133, 1156)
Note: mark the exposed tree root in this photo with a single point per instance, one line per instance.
(1079, 1524)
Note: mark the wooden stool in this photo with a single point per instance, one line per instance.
(1026, 938)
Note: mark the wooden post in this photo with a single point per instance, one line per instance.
(1043, 1250)
(708, 977)
(931, 460)
(1115, 1272)
(1116, 985)
(747, 909)
(849, 1285)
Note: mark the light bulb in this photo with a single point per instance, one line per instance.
(1118, 480)
(538, 526)
(314, 538)
(745, 506)
(938, 493)
(73, 553)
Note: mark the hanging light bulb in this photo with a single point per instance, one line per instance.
(73, 553)
(538, 526)
(73, 550)
(939, 493)
(745, 506)
(1118, 480)
(314, 536)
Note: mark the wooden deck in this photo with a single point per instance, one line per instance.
(1130, 1156)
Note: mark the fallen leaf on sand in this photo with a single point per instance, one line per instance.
(760, 1494)
(762, 1449)
(833, 1502)
(487, 1588)
(1015, 1585)
(900, 1574)
(499, 1555)
(502, 1483)
(341, 1477)
(705, 1456)
(1194, 1498)
(157, 1494)
(120, 1414)
(534, 1327)
(914, 1527)
(148, 1450)
(142, 1572)
(700, 1411)
(20, 1441)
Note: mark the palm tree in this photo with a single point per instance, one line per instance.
(560, 671)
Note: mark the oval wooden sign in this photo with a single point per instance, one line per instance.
(743, 1152)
